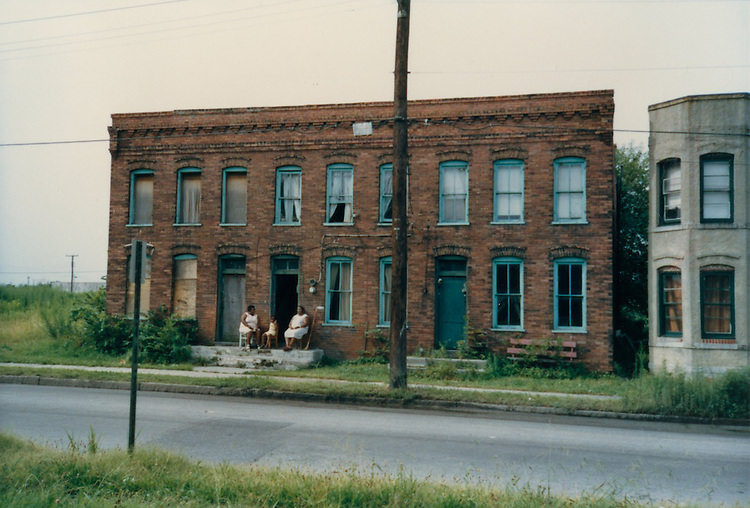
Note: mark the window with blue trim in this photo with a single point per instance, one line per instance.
(184, 285)
(141, 198)
(339, 290)
(507, 283)
(570, 190)
(340, 194)
(288, 195)
(188, 196)
(454, 192)
(384, 316)
(234, 196)
(508, 204)
(570, 294)
(386, 193)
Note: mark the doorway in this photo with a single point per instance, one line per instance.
(231, 296)
(284, 288)
(450, 301)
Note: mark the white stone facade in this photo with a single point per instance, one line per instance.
(699, 233)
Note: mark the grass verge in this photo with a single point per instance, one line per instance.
(32, 475)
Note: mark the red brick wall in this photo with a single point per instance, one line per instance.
(535, 128)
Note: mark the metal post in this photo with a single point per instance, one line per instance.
(72, 271)
(400, 224)
(137, 259)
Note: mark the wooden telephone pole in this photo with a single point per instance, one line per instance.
(400, 224)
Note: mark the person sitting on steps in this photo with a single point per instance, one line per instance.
(298, 327)
(250, 327)
(270, 334)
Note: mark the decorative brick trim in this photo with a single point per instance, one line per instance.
(189, 161)
(284, 249)
(568, 252)
(291, 159)
(716, 268)
(342, 156)
(140, 164)
(571, 151)
(231, 248)
(186, 248)
(509, 152)
(452, 250)
(719, 341)
(339, 250)
(454, 154)
(508, 252)
(236, 161)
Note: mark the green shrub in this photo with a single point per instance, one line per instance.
(380, 347)
(109, 334)
(163, 339)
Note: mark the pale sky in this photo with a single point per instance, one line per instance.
(67, 65)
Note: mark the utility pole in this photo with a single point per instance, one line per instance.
(72, 272)
(400, 224)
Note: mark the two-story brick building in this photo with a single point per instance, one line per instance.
(510, 209)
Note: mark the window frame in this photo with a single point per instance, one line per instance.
(339, 167)
(384, 295)
(558, 263)
(729, 272)
(496, 295)
(385, 194)
(559, 164)
(498, 166)
(341, 260)
(663, 166)
(288, 170)
(180, 176)
(714, 157)
(453, 165)
(225, 173)
(664, 304)
(175, 260)
(135, 175)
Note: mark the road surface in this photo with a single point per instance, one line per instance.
(643, 461)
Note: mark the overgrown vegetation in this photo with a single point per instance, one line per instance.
(83, 475)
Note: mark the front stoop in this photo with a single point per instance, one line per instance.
(257, 359)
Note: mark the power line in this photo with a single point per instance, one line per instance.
(87, 13)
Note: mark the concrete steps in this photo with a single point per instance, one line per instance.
(258, 359)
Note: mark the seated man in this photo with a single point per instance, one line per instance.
(298, 327)
(250, 326)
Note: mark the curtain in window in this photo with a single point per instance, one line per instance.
(508, 192)
(290, 197)
(386, 293)
(340, 285)
(717, 302)
(386, 195)
(143, 199)
(570, 191)
(716, 190)
(235, 204)
(340, 196)
(190, 199)
(672, 287)
(454, 196)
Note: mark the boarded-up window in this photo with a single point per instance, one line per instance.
(145, 290)
(185, 285)
(141, 197)
(234, 204)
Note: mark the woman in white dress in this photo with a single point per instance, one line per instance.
(298, 327)
(250, 327)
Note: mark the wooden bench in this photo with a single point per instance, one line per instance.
(543, 350)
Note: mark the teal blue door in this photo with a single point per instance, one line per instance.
(451, 302)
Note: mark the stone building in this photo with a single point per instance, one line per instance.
(699, 237)
(510, 207)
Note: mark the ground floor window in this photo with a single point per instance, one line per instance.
(384, 317)
(339, 290)
(570, 294)
(670, 303)
(507, 281)
(184, 285)
(717, 303)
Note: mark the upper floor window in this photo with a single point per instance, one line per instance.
(670, 303)
(234, 197)
(386, 193)
(141, 197)
(670, 184)
(340, 194)
(717, 303)
(454, 192)
(716, 188)
(508, 191)
(188, 196)
(570, 190)
(570, 294)
(339, 290)
(507, 281)
(384, 316)
(288, 195)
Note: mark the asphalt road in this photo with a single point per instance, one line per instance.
(640, 460)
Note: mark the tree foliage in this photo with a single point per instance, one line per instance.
(631, 255)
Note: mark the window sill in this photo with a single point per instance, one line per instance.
(508, 329)
(188, 225)
(718, 344)
(341, 324)
(453, 224)
(508, 222)
(284, 224)
(558, 222)
(385, 224)
(569, 330)
(138, 225)
(223, 224)
(668, 227)
(337, 224)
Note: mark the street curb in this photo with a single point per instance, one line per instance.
(443, 405)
